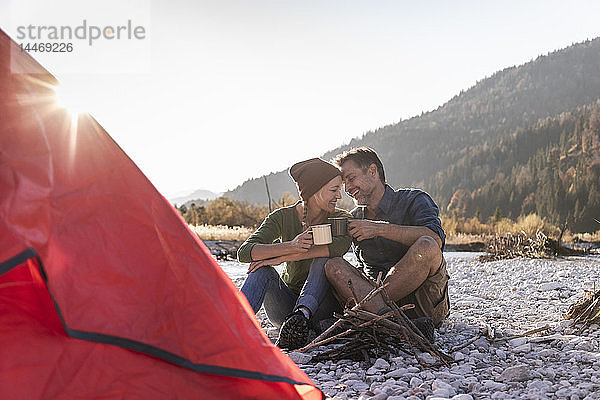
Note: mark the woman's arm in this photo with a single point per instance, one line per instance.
(337, 248)
(267, 232)
(313, 252)
(299, 245)
(260, 246)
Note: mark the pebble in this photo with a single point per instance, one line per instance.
(549, 373)
(566, 323)
(540, 386)
(526, 348)
(379, 396)
(544, 287)
(489, 384)
(517, 373)
(299, 358)
(414, 381)
(547, 352)
(380, 363)
(501, 354)
(428, 358)
(442, 389)
(357, 385)
(397, 373)
(516, 342)
(511, 296)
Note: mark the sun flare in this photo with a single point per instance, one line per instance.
(76, 99)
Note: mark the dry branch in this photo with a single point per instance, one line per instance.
(366, 333)
(585, 311)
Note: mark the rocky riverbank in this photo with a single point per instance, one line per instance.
(491, 302)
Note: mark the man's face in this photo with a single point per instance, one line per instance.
(359, 184)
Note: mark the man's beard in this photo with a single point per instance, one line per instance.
(363, 198)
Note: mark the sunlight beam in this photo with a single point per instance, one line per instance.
(75, 99)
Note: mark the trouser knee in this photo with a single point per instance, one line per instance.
(264, 275)
(257, 284)
(333, 266)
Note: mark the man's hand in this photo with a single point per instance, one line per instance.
(362, 229)
(254, 265)
(302, 242)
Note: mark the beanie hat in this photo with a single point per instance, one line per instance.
(311, 175)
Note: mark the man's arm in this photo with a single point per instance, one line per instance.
(408, 235)
(422, 218)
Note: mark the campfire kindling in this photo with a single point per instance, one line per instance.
(363, 334)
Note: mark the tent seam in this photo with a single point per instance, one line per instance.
(135, 345)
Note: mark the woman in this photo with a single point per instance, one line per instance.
(302, 293)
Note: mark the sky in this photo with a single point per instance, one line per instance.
(218, 92)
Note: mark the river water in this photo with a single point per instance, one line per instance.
(236, 270)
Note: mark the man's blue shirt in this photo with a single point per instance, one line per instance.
(411, 207)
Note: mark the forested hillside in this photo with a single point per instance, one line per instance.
(552, 169)
(445, 150)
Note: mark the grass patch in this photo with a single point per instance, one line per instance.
(465, 238)
(529, 224)
(222, 232)
(586, 237)
(459, 231)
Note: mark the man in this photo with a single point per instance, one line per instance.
(401, 236)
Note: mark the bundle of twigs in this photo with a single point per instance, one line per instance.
(364, 334)
(518, 245)
(586, 310)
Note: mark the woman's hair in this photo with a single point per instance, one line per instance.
(304, 213)
(363, 157)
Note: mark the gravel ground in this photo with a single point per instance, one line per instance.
(510, 297)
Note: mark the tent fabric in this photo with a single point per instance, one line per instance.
(104, 291)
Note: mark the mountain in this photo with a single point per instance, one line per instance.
(199, 194)
(254, 190)
(552, 169)
(418, 151)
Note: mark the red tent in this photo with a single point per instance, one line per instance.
(104, 291)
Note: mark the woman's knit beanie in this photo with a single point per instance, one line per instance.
(311, 175)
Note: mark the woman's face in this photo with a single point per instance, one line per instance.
(326, 198)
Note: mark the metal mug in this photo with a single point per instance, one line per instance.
(359, 212)
(339, 226)
(321, 234)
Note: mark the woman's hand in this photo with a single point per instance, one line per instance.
(302, 242)
(254, 265)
